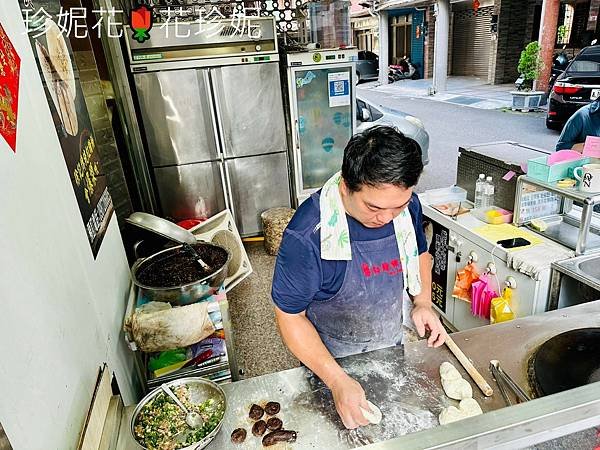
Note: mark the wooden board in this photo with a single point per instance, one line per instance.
(94, 423)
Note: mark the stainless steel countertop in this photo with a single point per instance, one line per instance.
(404, 383)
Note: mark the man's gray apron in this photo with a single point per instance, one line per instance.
(366, 313)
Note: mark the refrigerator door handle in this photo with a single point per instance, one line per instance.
(297, 131)
(206, 75)
(225, 184)
(229, 196)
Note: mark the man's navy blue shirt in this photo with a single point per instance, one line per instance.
(301, 276)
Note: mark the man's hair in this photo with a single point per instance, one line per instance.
(381, 155)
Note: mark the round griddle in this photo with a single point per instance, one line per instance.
(567, 361)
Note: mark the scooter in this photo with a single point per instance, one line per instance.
(402, 71)
(559, 65)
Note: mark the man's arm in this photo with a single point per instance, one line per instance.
(301, 337)
(570, 133)
(422, 314)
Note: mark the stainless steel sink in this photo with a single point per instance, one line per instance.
(591, 267)
(584, 268)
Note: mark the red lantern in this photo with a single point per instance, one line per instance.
(141, 23)
(476, 5)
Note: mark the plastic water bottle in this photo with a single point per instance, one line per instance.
(488, 193)
(479, 185)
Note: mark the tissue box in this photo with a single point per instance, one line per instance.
(539, 169)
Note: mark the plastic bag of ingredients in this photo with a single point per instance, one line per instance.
(464, 279)
(502, 310)
(482, 294)
(157, 326)
(165, 359)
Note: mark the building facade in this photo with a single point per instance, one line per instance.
(485, 38)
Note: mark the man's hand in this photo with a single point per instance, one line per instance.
(426, 320)
(349, 396)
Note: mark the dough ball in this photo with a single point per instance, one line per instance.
(274, 424)
(238, 436)
(466, 408)
(457, 389)
(256, 412)
(272, 408)
(374, 416)
(450, 414)
(259, 428)
(470, 407)
(449, 372)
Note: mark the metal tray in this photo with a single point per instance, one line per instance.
(565, 230)
(162, 227)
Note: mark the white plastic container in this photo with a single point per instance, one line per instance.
(445, 195)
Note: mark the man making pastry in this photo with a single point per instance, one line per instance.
(346, 257)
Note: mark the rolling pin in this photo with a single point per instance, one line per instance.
(471, 370)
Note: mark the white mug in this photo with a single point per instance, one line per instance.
(589, 178)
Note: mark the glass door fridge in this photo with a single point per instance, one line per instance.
(323, 109)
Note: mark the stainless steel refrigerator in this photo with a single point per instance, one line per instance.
(212, 113)
(322, 103)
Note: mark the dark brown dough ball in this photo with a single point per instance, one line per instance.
(259, 428)
(256, 412)
(272, 408)
(238, 436)
(279, 436)
(274, 424)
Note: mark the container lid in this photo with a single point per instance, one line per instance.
(162, 227)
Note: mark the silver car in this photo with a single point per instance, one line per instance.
(369, 115)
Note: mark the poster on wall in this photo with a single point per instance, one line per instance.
(10, 66)
(60, 77)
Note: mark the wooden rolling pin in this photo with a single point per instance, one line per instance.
(471, 370)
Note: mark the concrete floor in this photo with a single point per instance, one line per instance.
(258, 344)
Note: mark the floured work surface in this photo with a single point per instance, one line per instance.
(404, 384)
(408, 399)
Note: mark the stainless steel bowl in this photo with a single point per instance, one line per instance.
(200, 391)
(184, 294)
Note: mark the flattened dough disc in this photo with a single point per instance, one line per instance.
(374, 416)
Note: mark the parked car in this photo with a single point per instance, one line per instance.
(369, 115)
(367, 66)
(577, 86)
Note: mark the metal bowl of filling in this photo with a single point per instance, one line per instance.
(159, 424)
